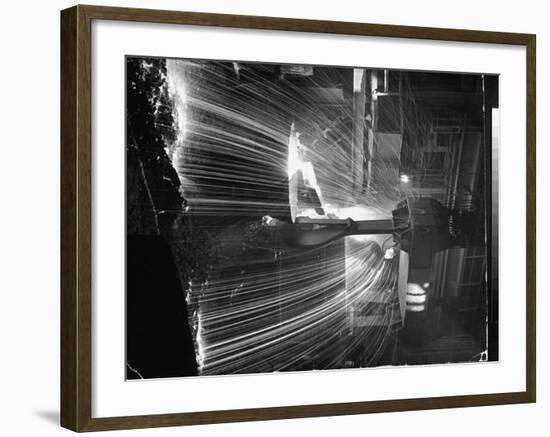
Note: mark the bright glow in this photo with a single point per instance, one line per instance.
(357, 212)
(415, 289)
(200, 343)
(294, 161)
(308, 173)
(390, 253)
(177, 90)
(358, 74)
(404, 178)
(426, 285)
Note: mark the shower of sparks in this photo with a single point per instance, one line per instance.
(266, 305)
(259, 321)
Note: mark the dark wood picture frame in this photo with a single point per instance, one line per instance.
(76, 217)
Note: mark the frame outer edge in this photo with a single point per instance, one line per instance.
(68, 128)
(531, 212)
(84, 216)
(76, 219)
(304, 25)
(76, 230)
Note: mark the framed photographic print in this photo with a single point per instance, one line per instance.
(268, 218)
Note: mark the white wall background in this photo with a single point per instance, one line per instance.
(29, 216)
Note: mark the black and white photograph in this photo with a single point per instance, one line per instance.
(285, 218)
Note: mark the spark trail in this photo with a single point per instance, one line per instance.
(266, 305)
